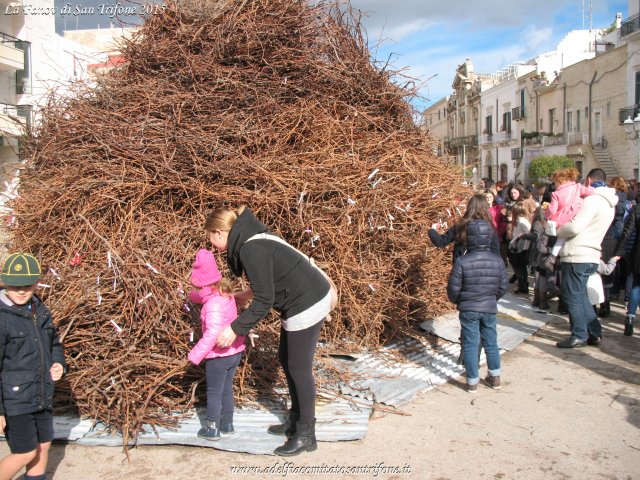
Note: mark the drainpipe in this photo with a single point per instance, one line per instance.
(590, 112)
(564, 109)
(536, 126)
(497, 161)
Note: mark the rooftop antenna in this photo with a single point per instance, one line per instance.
(582, 14)
(590, 16)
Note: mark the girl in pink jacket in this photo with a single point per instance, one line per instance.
(566, 201)
(218, 311)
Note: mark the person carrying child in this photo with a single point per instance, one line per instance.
(31, 360)
(566, 201)
(218, 311)
(476, 282)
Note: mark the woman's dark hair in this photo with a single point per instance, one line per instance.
(477, 208)
(546, 197)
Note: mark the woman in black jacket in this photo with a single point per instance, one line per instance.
(477, 207)
(281, 279)
(630, 230)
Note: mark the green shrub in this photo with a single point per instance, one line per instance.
(545, 165)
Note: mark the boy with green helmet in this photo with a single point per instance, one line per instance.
(31, 360)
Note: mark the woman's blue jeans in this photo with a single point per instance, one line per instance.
(634, 300)
(477, 327)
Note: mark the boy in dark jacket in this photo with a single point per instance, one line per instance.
(478, 279)
(31, 360)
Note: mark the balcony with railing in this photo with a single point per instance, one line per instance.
(468, 141)
(576, 138)
(553, 140)
(504, 136)
(630, 25)
(14, 119)
(486, 138)
(11, 57)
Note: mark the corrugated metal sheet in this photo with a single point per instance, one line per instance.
(395, 374)
(337, 419)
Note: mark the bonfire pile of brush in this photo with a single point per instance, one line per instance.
(273, 104)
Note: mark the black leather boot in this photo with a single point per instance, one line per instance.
(628, 325)
(304, 440)
(536, 298)
(287, 428)
(605, 309)
(544, 304)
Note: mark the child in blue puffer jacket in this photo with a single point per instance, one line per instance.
(478, 279)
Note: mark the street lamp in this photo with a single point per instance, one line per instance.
(632, 130)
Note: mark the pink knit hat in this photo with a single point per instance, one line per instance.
(205, 269)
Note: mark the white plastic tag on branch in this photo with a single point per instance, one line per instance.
(44, 285)
(351, 201)
(191, 336)
(116, 326)
(373, 174)
(99, 297)
(152, 268)
(301, 197)
(109, 259)
(148, 295)
(54, 273)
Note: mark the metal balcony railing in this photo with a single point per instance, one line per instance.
(552, 140)
(576, 138)
(469, 140)
(630, 25)
(504, 136)
(486, 138)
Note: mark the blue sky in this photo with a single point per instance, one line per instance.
(433, 37)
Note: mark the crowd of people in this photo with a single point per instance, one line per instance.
(576, 239)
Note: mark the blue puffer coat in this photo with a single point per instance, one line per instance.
(478, 278)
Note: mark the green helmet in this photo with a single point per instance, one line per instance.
(20, 270)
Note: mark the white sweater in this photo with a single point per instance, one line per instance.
(584, 233)
(522, 227)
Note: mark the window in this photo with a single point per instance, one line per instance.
(506, 122)
(552, 119)
(522, 115)
(586, 112)
(503, 172)
(488, 125)
(637, 89)
(569, 121)
(577, 120)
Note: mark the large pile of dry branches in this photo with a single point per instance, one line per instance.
(274, 104)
